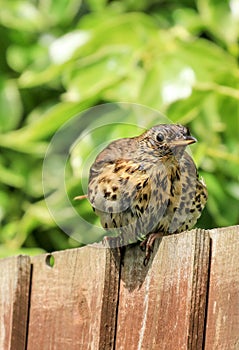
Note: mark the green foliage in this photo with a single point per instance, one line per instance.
(59, 58)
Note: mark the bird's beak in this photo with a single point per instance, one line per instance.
(187, 140)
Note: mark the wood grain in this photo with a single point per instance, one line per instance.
(14, 294)
(163, 306)
(73, 303)
(186, 298)
(222, 330)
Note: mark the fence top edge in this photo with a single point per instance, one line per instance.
(27, 258)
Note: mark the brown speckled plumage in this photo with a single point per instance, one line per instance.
(147, 186)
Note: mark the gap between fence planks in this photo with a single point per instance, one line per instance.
(186, 298)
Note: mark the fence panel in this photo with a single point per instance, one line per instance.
(223, 304)
(73, 303)
(186, 298)
(14, 297)
(163, 306)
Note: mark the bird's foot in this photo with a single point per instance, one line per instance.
(148, 245)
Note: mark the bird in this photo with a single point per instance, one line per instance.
(146, 187)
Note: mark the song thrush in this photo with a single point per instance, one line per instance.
(147, 186)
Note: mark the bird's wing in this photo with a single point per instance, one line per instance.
(117, 186)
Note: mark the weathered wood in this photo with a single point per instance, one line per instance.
(222, 330)
(14, 295)
(73, 303)
(163, 306)
(186, 298)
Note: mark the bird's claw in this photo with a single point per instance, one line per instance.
(148, 245)
(146, 260)
(143, 245)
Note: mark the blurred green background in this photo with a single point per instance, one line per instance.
(60, 57)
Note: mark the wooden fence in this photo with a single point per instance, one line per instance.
(186, 298)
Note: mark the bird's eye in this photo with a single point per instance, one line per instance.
(159, 137)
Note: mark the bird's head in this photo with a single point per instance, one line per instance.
(167, 139)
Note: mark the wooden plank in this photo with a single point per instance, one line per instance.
(73, 304)
(162, 306)
(222, 330)
(14, 295)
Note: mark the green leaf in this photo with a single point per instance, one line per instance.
(24, 139)
(11, 108)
